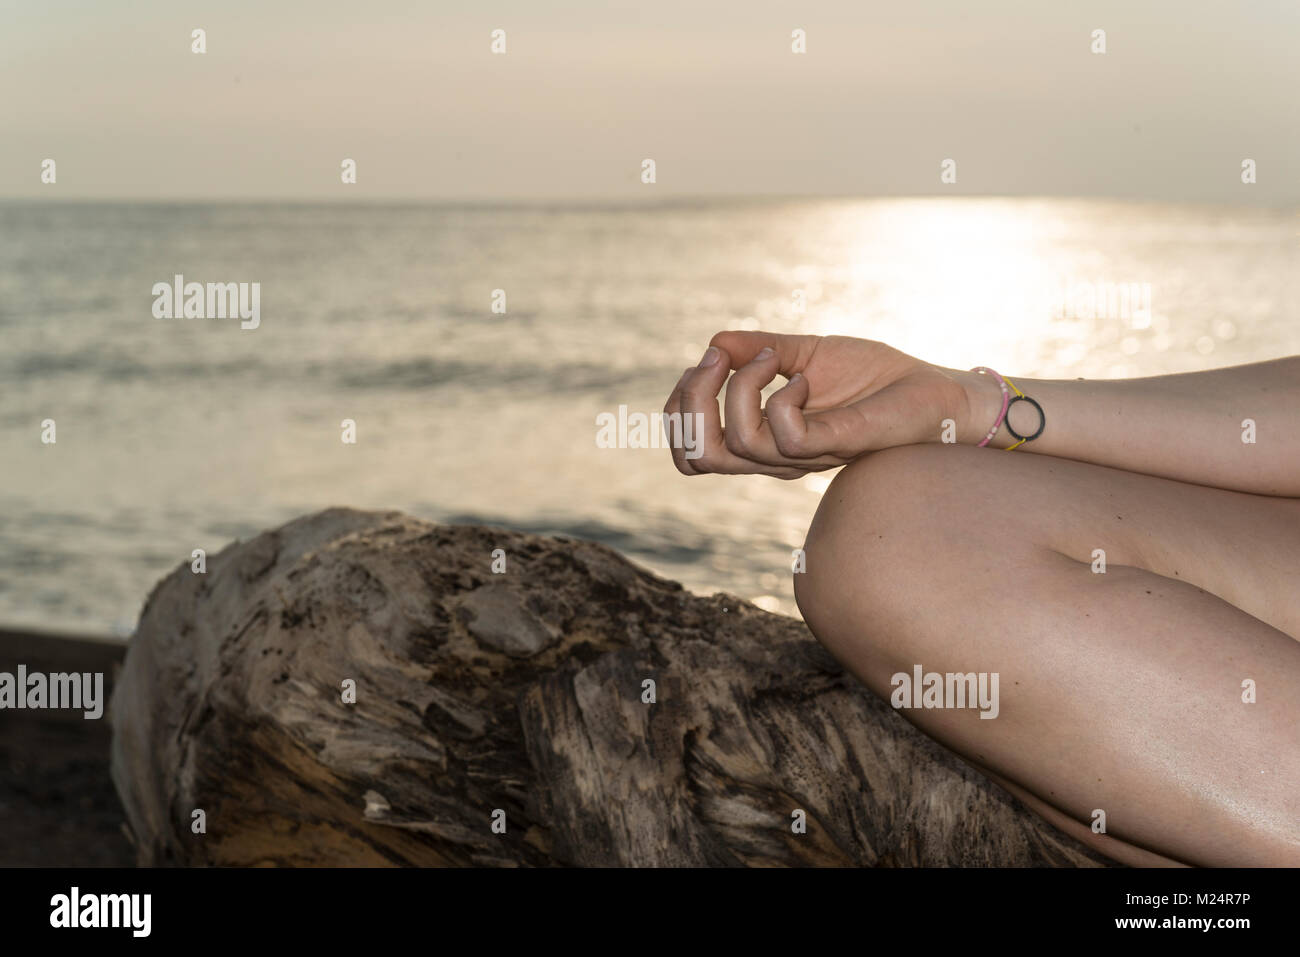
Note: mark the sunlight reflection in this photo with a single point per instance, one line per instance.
(955, 282)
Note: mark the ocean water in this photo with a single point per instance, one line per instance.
(181, 434)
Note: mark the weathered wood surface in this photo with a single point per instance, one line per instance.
(520, 692)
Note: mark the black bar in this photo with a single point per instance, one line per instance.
(460, 909)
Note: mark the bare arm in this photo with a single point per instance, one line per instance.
(1235, 428)
(1194, 427)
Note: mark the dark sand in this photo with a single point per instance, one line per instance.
(57, 803)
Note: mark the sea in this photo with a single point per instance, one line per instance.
(475, 346)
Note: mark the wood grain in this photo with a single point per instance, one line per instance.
(519, 692)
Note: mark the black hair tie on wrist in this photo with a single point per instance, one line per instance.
(1042, 419)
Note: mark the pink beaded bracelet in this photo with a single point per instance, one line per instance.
(1008, 387)
(1006, 403)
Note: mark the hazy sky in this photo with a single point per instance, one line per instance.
(709, 89)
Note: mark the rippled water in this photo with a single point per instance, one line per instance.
(179, 434)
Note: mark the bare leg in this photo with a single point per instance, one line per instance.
(1119, 691)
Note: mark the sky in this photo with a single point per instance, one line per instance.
(709, 89)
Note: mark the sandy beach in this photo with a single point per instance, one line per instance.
(57, 803)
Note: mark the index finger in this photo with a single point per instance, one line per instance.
(792, 352)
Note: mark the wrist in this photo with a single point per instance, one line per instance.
(982, 403)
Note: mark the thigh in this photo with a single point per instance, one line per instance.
(1120, 691)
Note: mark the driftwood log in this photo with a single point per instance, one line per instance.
(520, 699)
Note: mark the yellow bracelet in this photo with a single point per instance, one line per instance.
(1021, 397)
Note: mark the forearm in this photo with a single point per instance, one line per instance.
(1187, 427)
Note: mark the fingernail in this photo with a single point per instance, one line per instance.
(710, 357)
(766, 353)
(795, 378)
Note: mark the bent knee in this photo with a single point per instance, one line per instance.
(885, 501)
(884, 519)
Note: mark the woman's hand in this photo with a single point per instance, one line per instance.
(845, 397)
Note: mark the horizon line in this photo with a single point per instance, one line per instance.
(629, 202)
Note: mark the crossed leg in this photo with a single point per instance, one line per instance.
(1120, 691)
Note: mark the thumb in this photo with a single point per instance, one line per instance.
(791, 430)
